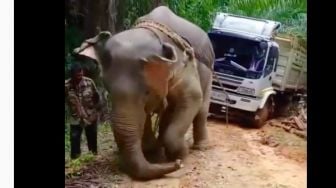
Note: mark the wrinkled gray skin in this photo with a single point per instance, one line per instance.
(143, 76)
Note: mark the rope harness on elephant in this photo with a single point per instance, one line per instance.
(151, 25)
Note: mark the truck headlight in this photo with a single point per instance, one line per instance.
(245, 90)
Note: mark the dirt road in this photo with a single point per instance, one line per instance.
(237, 158)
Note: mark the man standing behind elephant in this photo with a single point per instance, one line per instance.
(82, 97)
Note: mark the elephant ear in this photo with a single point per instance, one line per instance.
(102, 36)
(87, 48)
(157, 69)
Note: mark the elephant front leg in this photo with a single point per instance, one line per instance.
(173, 136)
(150, 146)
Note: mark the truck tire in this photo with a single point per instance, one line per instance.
(282, 105)
(262, 115)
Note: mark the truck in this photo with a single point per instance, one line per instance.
(256, 71)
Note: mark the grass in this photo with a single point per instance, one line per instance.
(73, 167)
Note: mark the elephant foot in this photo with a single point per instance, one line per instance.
(181, 154)
(203, 145)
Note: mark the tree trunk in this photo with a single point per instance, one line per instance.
(91, 19)
(101, 15)
(110, 18)
(121, 15)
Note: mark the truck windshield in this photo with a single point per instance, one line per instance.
(237, 56)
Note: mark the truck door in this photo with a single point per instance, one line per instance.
(270, 67)
(272, 62)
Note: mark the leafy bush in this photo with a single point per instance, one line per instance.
(197, 11)
(73, 38)
(291, 13)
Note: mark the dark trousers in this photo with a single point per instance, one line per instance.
(75, 139)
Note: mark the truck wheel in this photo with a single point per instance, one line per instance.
(262, 115)
(282, 105)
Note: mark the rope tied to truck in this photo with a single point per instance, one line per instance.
(226, 95)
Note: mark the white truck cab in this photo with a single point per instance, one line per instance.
(246, 64)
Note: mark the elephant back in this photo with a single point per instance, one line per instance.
(196, 37)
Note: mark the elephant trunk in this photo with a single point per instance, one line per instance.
(128, 138)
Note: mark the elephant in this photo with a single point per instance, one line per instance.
(146, 71)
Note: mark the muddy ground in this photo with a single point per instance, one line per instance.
(237, 158)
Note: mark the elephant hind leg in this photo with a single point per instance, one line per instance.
(200, 132)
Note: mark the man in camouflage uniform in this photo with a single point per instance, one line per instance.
(82, 98)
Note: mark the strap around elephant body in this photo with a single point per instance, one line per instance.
(150, 24)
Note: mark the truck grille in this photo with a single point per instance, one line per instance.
(214, 83)
(235, 93)
(227, 81)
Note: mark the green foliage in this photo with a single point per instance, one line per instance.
(105, 127)
(85, 158)
(73, 38)
(291, 13)
(74, 166)
(199, 12)
(134, 9)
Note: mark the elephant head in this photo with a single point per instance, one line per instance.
(136, 69)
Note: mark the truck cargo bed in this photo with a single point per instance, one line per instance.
(291, 72)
